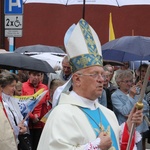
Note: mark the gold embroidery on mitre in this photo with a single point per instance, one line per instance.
(83, 61)
(88, 37)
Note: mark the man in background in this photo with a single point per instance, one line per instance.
(64, 74)
(30, 87)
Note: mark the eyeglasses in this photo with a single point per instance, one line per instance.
(94, 75)
(127, 81)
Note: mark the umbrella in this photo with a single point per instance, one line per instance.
(20, 61)
(112, 62)
(127, 48)
(117, 3)
(38, 48)
(96, 2)
(51, 59)
(73, 2)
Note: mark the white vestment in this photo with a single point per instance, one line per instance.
(68, 128)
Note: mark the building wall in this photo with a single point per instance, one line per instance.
(47, 23)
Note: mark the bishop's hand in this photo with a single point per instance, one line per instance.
(135, 117)
(105, 142)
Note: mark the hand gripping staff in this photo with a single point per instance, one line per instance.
(139, 104)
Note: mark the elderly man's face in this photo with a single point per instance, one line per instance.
(90, 82)
(107, 78)
(66, 68)
(111, 70)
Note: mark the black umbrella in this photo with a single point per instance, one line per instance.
(19, 61)
(38, 48)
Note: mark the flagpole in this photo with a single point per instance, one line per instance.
(139, 104)
(111, 29)
(83, 10)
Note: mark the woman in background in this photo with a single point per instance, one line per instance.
(7, 138)
(11, 106)
(124, 99)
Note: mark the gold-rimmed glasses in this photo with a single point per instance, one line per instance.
(93, 75)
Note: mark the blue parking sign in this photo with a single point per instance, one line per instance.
(13, 7)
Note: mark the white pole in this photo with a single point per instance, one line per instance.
(11, 44)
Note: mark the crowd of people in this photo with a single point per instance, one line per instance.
(26, 83)
(95, 113)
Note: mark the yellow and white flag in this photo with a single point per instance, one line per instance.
(111, 29)
(28, 103)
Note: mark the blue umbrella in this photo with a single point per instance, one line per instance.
(127, 48)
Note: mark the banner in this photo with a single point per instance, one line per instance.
(28, 103)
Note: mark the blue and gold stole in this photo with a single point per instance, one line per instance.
(100, 123)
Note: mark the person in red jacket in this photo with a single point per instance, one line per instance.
(30, 87)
